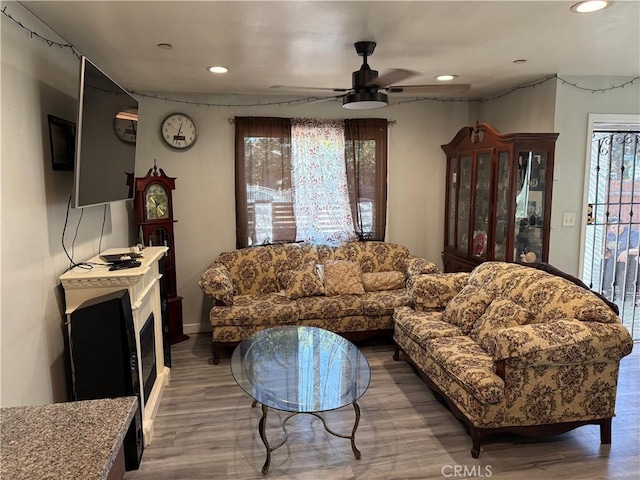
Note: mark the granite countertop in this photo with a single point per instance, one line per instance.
(63, 441)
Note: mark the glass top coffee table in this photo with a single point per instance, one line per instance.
(300, 370)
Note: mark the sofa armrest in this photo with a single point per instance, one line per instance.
(216, 282)
(419, 266)
(560, 342)
(434, 291)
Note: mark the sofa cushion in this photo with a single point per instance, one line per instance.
(253, 269)
(548, 297)
(435, 290)
(421, 326)
(467, 364)
(342, 277)
(374, 256)
(501, 313)
(383, 302)
(301, 282)
(377, 281)
(216, 281)
(256, 309)
(329, 307)
(466, 307)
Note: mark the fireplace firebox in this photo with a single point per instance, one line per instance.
(148, 356)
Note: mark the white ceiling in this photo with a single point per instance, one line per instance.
(310, 43)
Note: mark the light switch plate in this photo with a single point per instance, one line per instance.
(569, 220)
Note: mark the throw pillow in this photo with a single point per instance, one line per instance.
(301, 282)
(342, 277)
(377, 281)
(466, 307)
(501, 313)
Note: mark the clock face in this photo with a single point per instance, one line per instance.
(179, 131)
(125, 124)
(157, 202)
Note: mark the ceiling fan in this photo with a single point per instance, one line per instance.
(370, 90)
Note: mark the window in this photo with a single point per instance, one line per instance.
(274, 173)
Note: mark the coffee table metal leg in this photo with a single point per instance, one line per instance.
(356, 452)
(263, 436)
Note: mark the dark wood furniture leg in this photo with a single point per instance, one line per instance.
(215, 350)
(605, 431)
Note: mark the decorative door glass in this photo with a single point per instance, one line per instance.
(464, 204)
(531, 186)
(482, 203)
(502, 208)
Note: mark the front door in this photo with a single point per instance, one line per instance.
(612, 236)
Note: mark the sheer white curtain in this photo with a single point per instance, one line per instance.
(319, 179)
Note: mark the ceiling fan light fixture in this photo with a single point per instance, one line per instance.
(218, 69)
(365, 100)
(589, 6)
(445, 78)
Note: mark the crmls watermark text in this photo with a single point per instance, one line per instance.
(466, 471)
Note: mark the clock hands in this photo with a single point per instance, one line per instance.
(178, 137)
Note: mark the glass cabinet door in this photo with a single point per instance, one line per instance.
(530, 207)
(454, 174)
(464, 204)
(482, 206)
(501, 233)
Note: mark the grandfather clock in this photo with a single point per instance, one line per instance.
(153, 214)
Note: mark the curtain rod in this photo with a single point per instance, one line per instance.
(391, 123)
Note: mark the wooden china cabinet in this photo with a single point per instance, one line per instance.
(498, 197)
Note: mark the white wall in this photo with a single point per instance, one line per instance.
(204, 203)
(523, 110)
(36, 80)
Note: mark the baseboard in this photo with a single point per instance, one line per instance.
(193, 328)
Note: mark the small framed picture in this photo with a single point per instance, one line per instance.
(62, 139)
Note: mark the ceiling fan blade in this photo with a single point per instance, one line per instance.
(451, 89)
(297, 87)
(392, 76)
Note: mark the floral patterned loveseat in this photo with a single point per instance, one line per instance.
(351, 289)
(514, 349)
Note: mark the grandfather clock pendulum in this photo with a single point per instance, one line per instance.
(153, 214)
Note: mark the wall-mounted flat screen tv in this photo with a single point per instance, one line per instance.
(106, 134)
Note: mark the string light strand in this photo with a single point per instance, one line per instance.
(33, 33)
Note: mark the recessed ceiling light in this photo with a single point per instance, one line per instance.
(218, 69)
(445, 78)
(589, 6)
(165, 46)
(520, 60)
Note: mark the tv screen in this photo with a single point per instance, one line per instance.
(106, 132)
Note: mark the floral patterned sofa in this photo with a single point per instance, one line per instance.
(514, 349)
(351, 289)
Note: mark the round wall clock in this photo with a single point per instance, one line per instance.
(125, 124)
(179, 131)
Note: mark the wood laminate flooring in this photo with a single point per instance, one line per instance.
(206, 429)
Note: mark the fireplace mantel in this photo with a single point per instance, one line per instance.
(143, 283)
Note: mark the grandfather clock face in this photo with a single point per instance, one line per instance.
(156, 202)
